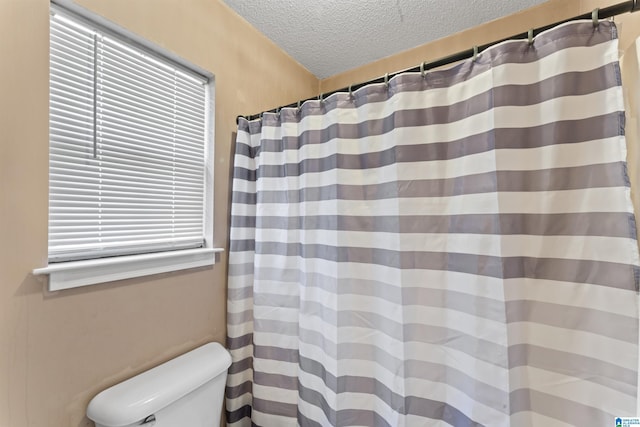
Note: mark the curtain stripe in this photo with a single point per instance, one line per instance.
(603, 273)
(613, 224)
(458, 139)
(583, 200)
(554, 156)
(447, 289)
(458, 249)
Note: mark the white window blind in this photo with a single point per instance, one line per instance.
(126, 150)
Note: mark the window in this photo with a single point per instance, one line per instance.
(128, 155)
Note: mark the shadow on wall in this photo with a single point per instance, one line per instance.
(86, 422)
(31, 285)
(232, 158)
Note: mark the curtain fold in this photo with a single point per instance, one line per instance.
(455, 248)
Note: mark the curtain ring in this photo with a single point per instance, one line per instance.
(530, 36)
(594, 17)
(278, 110)
(261, 115)
(475, 53)
(422, 70)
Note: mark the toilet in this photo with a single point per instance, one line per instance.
(186, 391)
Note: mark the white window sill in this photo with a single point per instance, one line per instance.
(73, 274)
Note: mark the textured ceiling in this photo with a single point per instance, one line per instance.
(331, 36)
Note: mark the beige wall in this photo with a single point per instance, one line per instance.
(58, 350)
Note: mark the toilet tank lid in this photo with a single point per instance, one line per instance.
(138, 397)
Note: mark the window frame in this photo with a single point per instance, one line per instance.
(71, 274)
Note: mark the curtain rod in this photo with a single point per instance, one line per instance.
(608, 12)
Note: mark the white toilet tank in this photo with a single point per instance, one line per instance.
(184, 392)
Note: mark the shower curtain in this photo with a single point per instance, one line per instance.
(455, 248)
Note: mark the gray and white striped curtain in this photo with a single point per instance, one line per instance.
(456, 248)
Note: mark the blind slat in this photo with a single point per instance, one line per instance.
(89, 226)
(110, 117)
(123, 158)
(188, 121)
(141, 61)
(114, 172)
(114, 233)
(113, 80)
(60, 184)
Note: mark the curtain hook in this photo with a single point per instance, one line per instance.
(351, 91)
(320, 97)
(386, 80)
(422, 70)
(594, 17)
(298, 109)
(530, 36)
(475, 53)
